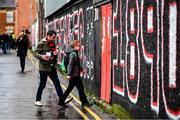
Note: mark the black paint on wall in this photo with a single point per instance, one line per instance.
(143, 80)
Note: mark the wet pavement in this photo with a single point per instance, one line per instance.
(18, 91)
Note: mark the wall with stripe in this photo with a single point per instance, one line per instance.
(130, 56)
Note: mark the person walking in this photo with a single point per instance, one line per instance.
(22, 47)
(47, 54)
(5, 41)
(73, 74)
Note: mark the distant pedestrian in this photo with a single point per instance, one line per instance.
(47, 54)
(12, 41)
(4, 43)
(1, 39)
(73, 74)
(22, 47)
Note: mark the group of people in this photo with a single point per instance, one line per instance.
(7, 42)
(46, 52)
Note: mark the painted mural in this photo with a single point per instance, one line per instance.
(144, 37)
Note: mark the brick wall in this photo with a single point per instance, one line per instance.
(2, 21)
(34, 10)
(23, 15)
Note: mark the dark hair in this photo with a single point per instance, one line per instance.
(51, 32)
(26, 31)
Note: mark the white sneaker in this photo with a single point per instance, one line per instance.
(69, 99)
(38, 103)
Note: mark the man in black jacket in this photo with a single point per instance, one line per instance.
(73, 74)
(22, 47)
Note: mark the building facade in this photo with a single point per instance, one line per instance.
(7, 16)
(26, 16)
(22, 15)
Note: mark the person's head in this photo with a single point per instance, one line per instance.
(51, 34)
(76, 44)
(21, 34)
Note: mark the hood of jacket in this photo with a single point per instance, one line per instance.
(69, 49)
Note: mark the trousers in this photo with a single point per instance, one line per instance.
(22, 62)
(75, 82)
(43, 79)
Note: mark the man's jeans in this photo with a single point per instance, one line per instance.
(43, 79)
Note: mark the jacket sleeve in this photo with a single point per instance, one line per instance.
(26, 44)
(39, 51)
(17, 43)
(72, 59)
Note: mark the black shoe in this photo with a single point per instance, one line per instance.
(66, 102)
(62, 104)
(22, 70)
(85, 105)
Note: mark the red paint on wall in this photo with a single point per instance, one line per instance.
(106, 52)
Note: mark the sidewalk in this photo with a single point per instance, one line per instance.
(18, 91)
(93, 110)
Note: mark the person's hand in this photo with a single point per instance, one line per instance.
(68, 77)
(82, 72)
(45, 57)
(54, 52)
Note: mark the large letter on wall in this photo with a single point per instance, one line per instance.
(132, 57)
(89, 42)
(81, 24)
(76, 24)
(171, 57)
(150, 47)
(118, 61)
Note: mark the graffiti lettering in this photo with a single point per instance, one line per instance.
(157, 60)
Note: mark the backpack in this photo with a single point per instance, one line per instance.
(65, 62)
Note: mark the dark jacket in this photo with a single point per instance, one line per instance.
(41, 50)
(22, 46)
(73, 68)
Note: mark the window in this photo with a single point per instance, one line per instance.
(9, 18)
